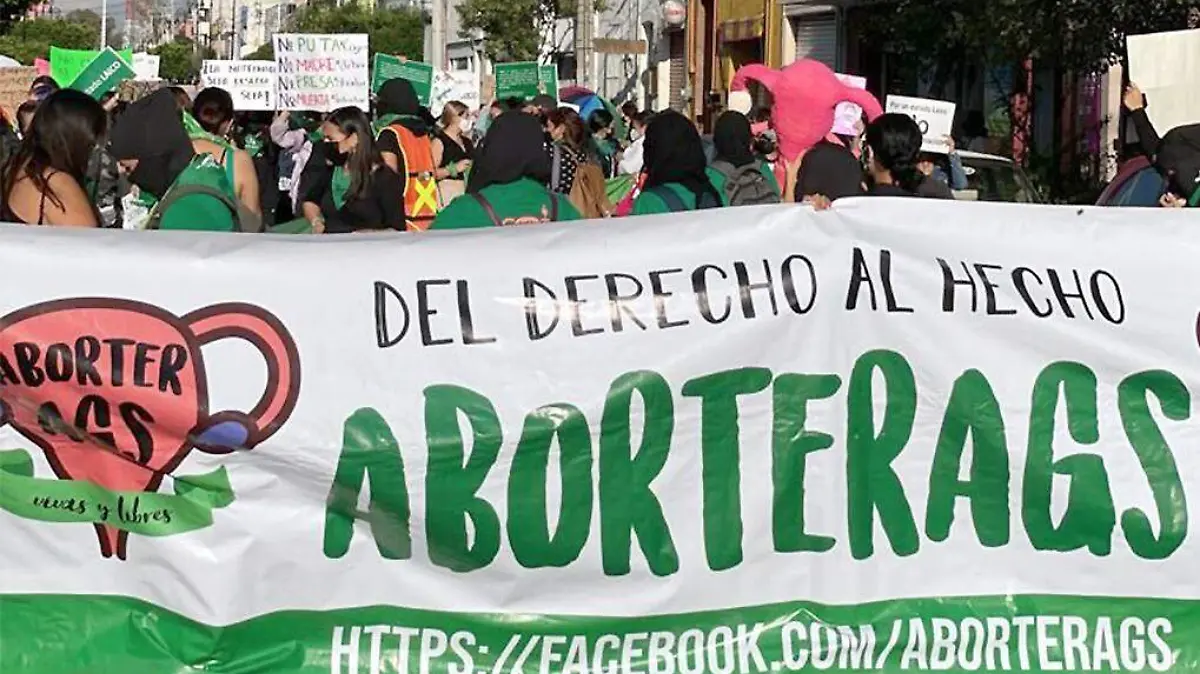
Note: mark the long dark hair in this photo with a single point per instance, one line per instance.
(365, 157)
(213, 108)
(574, 132)
(895, 142)
(64, 131)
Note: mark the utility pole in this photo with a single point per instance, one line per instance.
(438, 33)
(585, 35)
(103, 24)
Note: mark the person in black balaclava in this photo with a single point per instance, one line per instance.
(674, 164)
(1178, 160)
(733, 141)
(148, 140)
(508, 180)
(397, 104)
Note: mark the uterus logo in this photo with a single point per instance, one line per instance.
(115, 393)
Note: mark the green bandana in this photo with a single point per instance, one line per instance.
(1195, 200)
(253, 145)
(340, 186)
(197, 132)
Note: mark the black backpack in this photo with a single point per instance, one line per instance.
(746, 185)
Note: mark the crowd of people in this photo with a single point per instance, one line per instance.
(167, 161)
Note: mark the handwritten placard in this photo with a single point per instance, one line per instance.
(935, 119)
(252, 84)
(145, 66)
(14, 87)
(322, 72)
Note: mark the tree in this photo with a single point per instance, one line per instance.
(86, 17)
(512, 35)
(29, 40)
(263, 53)
(11, 10)
(391, 31)
(179, 59)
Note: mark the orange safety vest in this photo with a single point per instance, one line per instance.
(420, 185)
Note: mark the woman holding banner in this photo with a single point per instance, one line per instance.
(355, 191)
(43, 181)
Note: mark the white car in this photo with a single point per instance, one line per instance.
(994, 178)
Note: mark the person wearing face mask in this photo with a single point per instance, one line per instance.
(631, 159)
(356, 190)
(404, 139)
(452, 150)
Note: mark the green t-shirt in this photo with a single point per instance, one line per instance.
(524, 202)
(649, 203)
(718, 180)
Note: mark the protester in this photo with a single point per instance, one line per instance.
(938, 182)
(452, 149)
(43, 183)
(358, 191)
(571, 172)
(42, 87)
(255, 139)
(405, 143)
(629, 111)
(631, 158)
(893, 144)
(25, 113)
(1178, 160)
(183, 101)
(213, 109)
(676, 177)
(291, 132)
(176, 187)
(829, 169)
(507, 185)
(605, 148)
(738, 176)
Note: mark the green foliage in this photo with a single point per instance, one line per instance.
(28, 40)
(399, 32)
(1081, 36)
(263, 53)
(11, 10)
(179, 60)
(515, 29)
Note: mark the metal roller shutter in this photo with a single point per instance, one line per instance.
(678, 74)
(816, 38)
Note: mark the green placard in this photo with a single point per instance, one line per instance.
(103, 74)
(66, 64)
(389, 67)
(517, 80)
(548, 80)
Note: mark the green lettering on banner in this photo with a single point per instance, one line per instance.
(1157, 461)
(452, 486)
(871, 482)
(627, 504)
(1090, 516)
(138, 512)
(528, 520)
(103, 74)
(973, 409)
(721, 458)
(791, 444)
(371, 454)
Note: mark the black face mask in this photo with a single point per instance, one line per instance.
(334, 155)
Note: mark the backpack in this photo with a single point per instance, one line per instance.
(675, 203)
(745, 185)
(202, 198)
(589, 193)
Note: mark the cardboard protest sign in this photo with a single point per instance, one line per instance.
(103, 74)
(252, 84)
(322, 72)
(134, 90)
(935, 118)
(66, 64)
(14, 88)
(388, 67)
(847, 118)
(455, 86)
(145, 66)
(899, 437)
(1166, 66)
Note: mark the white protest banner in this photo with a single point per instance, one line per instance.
(252, 84)
(901, 435)
(322, 72)
(936, 119)
(848, 117)
(145, 66)
(461, 86)
(1166, 66)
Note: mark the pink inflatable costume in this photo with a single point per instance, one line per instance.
(806, 94)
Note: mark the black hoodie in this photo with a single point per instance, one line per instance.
(151, 131)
